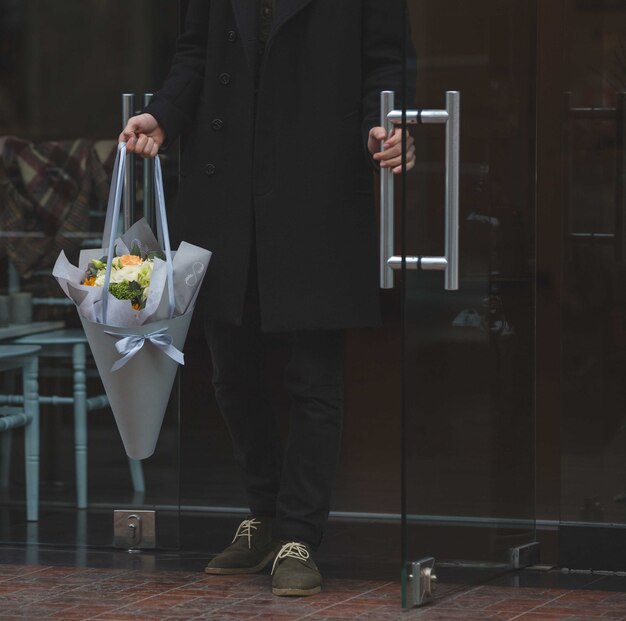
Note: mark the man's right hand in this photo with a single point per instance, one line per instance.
(143, 135)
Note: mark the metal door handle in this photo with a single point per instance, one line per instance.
(148, 186)
(130, 195)
(449, 263)
(128, 110)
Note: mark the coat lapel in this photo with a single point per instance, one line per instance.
(246, 14)
(285, 10)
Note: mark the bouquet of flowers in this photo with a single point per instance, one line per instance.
(130, 276)
(135, 298)
(139, 287)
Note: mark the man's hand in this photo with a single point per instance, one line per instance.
(143, 135)
(391, 157)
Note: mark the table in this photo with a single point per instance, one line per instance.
(17, 330)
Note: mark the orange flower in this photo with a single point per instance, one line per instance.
(130, 259)
(137, 306)
(90, 281)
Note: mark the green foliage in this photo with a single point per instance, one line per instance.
(126, 290)
(95, 265)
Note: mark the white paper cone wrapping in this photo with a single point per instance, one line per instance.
(138, 392)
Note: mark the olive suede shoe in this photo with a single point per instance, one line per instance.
(294, 572)
(251, 550)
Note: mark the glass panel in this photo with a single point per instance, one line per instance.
(63, 69)
(468, 354)
(593, 301)
(366, 494)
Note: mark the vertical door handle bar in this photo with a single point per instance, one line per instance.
(128, 110)
(387, 102)
(453, 141)
(130, 194)
(451, 116)
(148, 181)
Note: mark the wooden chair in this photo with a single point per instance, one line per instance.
(24, 358)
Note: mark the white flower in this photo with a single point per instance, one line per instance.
(128, 273)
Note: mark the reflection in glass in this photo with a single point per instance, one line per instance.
(63, 69)
(470, 354)
(594, 274)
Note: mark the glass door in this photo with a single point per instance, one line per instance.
(591, 136)
(63, 70)
(468, 344)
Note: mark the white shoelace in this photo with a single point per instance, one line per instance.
(245, 530)
(292, 550)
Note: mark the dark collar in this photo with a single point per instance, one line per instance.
(246, 13)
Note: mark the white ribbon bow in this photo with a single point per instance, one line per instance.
(129, 344)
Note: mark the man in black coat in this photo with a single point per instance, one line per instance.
(277, 106)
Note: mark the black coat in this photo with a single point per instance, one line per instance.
(291, 173)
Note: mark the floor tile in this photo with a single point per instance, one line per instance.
(107, 594)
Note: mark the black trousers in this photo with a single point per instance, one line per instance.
(291, 482)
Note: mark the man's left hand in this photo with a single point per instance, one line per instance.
(391, 157)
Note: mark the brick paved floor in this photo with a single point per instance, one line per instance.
(73, 593)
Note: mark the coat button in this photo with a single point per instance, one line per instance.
(209, 170)
(231, 35)
(225, 78)
(217, 125)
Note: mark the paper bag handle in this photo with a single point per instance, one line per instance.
(112, 222)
